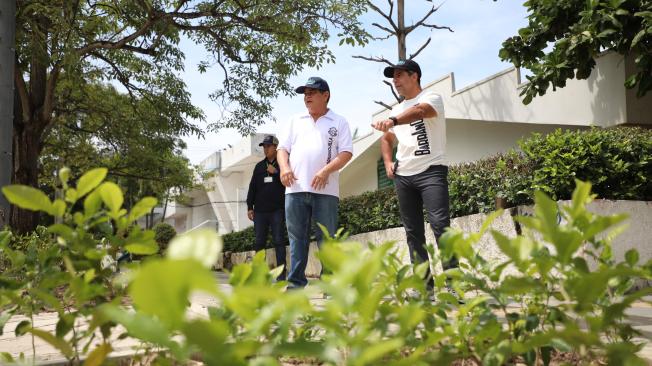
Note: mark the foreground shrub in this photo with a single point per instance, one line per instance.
(66, 268)
(559, 292)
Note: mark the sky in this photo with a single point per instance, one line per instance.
(470, 52)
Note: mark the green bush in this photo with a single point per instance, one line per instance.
(163, 233)
(243, 240)
(550, 305)
(618, 162)
(67, 268)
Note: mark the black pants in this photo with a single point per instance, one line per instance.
(262, 222)
(429, 190)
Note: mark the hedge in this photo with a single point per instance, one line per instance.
(617, 161)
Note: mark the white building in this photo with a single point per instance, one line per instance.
(484, 118)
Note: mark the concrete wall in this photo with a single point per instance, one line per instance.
(637, 236)
(638, 109)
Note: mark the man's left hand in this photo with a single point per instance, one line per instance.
(320, 180)
(383, 125)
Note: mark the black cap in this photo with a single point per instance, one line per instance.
(269, 140)
(408, 65)
(314, 82)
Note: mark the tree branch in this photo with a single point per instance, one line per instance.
(437, 26)
(123, 42)
(21, 87)
(383, 104)
(391, 87)
(48, 100)
(384, 28)
(374, 59)
(420, 49)
(420, 22)
(386, 16)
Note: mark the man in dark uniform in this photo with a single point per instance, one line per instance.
(266, 202)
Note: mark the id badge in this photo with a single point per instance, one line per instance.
(268, 179)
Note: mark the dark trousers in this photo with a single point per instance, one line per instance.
(428, 190)
(262, 223)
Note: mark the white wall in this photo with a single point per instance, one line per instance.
(599, 100)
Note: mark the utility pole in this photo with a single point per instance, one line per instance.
(7, 44)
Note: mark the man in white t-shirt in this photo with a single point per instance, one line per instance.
(420, 173)
(312, 148)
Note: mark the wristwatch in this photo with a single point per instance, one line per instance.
(394, 120)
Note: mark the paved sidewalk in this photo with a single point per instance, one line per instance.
(640, 315)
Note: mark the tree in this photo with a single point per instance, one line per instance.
(398, 29)
(577, 32)
(257, 44)
(136, 139)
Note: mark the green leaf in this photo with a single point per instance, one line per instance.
(5, 238)
(142, 248)
(71, 195)
(519, 285)
(142, 208)
(6, 315)
(203, 245)
(98, 355)
(58, 343)
(62, 230)
(22, 328)
(142, 326)
(6, 356)
(92, 204)
(27, 197)
(161, 288)
(375, 351)
(637, 38)
(111, 195)
(208, 336)
(90, 180)
(64, 175)
(58, 208)
(632, 257)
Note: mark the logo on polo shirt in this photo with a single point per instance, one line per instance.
(332, 132)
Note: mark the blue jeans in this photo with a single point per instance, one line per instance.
(262, 222)
(300, 208)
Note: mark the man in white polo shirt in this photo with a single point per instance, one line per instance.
(420, 173)
(312, 148)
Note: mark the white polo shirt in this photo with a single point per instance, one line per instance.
(421, 143)
(313, 144)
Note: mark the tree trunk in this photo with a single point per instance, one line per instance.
(26, 151)
(7, 31)
(165, 206)
(32, 114)
(400, 33)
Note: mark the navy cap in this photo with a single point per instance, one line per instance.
(408, 65)
(314, 82)
(269, 140)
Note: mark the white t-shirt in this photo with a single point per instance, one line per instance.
(313, 144)
(421, 143)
